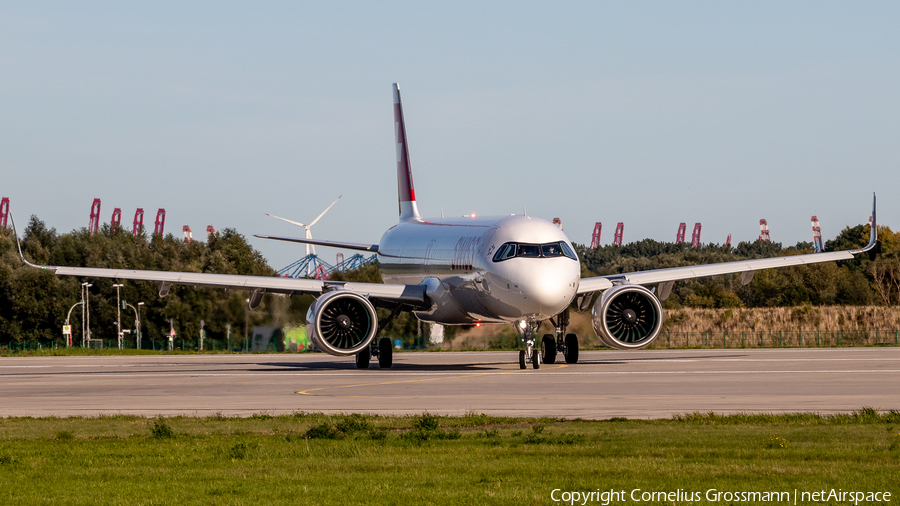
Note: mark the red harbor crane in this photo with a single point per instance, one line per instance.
(679, 236)
(115, 222)
(695, 237)
(188, 235)
(94, 224)
(817, 235)
(4, 211)
(595, 237)
(138, 227)
(617, 238)
(764, 231)
(160, 224)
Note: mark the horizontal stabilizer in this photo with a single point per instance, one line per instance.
(331, 244)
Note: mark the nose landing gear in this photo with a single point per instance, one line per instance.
(530, 354)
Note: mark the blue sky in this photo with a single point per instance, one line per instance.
(648, 113)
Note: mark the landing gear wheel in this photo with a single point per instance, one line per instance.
(548, 349)
(385, 353)
(571, 352)
(522, 360)
(536, 359)
(362, 358)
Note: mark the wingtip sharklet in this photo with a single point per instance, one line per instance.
(873, 232)
(19, 245)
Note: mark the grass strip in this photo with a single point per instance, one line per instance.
(310, 458)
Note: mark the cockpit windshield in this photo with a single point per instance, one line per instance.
(522, 250)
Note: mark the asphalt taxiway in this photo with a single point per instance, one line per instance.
(604, 384)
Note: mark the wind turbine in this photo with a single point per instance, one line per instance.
(307, 227)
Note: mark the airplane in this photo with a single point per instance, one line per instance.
(519, 270)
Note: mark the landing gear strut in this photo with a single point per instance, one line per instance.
(529, 354)
(383, 350)
(566, 343)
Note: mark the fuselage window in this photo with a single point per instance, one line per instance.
(551, 250)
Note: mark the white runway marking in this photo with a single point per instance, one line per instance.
(476, 373)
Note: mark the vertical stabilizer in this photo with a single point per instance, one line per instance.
(405, 191)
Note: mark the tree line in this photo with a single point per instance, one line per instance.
(34, 303)
(869, 278)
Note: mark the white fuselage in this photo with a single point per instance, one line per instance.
(455, 259)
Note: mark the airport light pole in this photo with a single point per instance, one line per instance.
(68, 316)
(119, 313)
(138, 324)
(85, 314)
(247, 327)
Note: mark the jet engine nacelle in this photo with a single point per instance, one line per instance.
(341, 323)
(627, 317)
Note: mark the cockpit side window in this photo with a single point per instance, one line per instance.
(508, 250)
(549, 250)
(568, 251)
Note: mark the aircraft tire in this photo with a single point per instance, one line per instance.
(536, 359)
(385, 353)
(362, 358)
(571, 349)
(548, 349)
(522, 360)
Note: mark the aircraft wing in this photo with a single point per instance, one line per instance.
(257, 285)
(673, 274)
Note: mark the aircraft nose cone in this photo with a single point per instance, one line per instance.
(551, 290)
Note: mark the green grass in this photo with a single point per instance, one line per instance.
(474, 459)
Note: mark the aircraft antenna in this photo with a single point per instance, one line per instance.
(4, 211)
(617, 238)
(764, 231)
(138, 226)
(94, 224)
(160, 224)
(817, 235)
(595, 237)
(679, 236)
(695, 237)
(115, 223)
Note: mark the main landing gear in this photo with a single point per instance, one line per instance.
(383, 350)
(565, 343)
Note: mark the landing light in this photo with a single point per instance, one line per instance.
(523, 324)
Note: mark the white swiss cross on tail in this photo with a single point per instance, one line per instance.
(406, 193)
